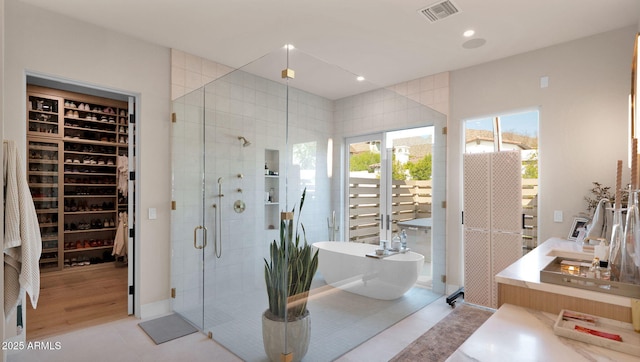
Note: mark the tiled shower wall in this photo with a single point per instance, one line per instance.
(238, 104)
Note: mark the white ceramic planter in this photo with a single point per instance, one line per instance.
(298, 333)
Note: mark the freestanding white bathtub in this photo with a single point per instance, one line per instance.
(345, 265)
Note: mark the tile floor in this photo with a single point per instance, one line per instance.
(124, 341)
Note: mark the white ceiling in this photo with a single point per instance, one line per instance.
(386, 41)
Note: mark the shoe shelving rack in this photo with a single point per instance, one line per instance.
(74, 141)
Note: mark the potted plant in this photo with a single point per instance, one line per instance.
(288, 275)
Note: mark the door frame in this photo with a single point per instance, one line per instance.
(133, 282)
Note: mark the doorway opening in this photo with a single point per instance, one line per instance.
(81, 148)
(390, 189)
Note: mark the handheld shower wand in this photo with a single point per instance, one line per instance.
(217, 220)
(220, 187)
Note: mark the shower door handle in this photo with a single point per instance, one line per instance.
(195, 237)
(204, 233)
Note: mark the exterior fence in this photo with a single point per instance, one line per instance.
(412, 199)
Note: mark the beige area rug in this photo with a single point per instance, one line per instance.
(439, 342)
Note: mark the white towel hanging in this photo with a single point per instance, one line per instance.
(120, 244)
(22, 239)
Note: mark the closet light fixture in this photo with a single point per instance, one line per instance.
(360, 78)
(468, 33)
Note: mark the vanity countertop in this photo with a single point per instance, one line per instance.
(525, 272)
(515, 333)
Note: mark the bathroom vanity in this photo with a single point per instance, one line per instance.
(522, 327)
(520, 284)
(515, 333)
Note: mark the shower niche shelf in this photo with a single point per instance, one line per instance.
(271, 189)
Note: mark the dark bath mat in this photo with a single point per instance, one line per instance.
(166, 328)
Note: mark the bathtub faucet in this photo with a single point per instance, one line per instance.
(332, 226)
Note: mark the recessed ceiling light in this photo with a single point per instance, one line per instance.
(289, 46)
(469, 33)
(360, 78)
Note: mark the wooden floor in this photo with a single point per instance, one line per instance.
(78, 298)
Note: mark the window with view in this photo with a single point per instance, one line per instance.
(508, 132)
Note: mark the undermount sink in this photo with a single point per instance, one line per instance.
(567, 254)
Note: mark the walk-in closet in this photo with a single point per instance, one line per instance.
(78, 173)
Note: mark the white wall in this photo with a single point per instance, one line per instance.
(583, 122)
(54, 45)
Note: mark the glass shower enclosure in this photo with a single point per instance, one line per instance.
(244, 148)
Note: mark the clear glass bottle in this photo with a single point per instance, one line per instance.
(403, 239)
(615, 245)
(395, 243)
(628, 269)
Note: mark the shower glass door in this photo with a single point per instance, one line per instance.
(188, 216)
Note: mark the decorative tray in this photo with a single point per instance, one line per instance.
(598, 331)
(573, 273)
(386, 254)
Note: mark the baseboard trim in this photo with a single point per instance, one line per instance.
(149, 310)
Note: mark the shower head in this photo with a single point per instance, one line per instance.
(245, 143)
(220, 180)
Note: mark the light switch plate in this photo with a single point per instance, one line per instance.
(153, 214)
(544, 82)
(557, 216)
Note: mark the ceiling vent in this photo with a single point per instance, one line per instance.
(439, 11)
